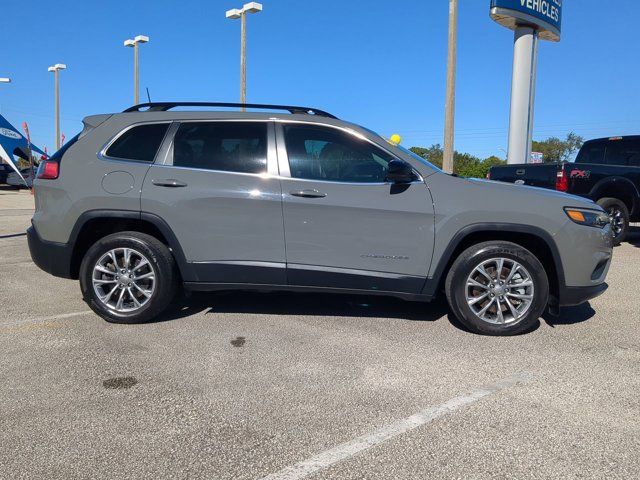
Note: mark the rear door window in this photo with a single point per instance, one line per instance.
(140, 143)
(592, 152)
(225, 146)
(623, 152)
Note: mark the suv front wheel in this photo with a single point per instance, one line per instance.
(128, 277)
(497, 288)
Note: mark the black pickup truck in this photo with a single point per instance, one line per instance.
(606, 170)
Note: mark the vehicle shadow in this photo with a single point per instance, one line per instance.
(570, 315)
(633, 236)
(310, 304)
(456, 323)
(338, 305)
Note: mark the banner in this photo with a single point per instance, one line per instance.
(10, 138)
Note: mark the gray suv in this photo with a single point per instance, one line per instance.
(156, 198)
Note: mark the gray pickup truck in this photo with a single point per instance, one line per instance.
(606, 170)
(146, 201)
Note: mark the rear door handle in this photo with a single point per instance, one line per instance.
(168, 182)
(520, 171)
(308, 193)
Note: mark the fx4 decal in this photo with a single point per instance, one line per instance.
(580, 174)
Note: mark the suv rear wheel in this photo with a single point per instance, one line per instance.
(497, 288)
(128, 277)
(619, 216)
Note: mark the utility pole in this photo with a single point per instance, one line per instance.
(56, 72)
(450, 107)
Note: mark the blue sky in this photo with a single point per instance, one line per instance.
(378, 63)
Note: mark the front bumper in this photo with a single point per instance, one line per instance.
(52, 257)
(571, 296)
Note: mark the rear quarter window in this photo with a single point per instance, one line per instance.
(140, 143)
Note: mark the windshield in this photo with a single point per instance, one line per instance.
(413, 155)
(420, 159)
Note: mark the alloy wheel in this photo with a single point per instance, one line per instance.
(617, 220)
(123, 280)
(500, 291)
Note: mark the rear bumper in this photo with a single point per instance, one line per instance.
(571, 296)
(52, 257)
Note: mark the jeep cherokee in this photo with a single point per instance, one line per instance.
(152, 199)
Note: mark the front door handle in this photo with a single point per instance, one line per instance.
(308, 193)
(168, 182)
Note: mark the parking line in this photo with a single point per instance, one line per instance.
(349, 449)
(62, 316)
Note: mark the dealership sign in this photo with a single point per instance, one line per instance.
(545, 15)
(5, 132)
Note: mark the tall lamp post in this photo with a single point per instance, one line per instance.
(241, 13)
(5, 80)
(136, 64)
(56, 75)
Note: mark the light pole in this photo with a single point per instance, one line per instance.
(241, 13)
(450, 106)
(136, 64)
(5, 80)
(56, 72)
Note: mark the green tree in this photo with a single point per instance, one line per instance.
(556, 150)
(434, 154)
(464, 164)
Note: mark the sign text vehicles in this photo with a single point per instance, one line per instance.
(544, 14)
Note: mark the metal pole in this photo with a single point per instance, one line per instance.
(523, 88)
(449, 116)
(243, 59)
(57, 108)
(136, 81)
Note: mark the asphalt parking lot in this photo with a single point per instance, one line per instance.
(242, 386)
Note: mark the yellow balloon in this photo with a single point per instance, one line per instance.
(395, 139)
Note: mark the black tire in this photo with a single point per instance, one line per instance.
(160, 259)
(464, 265)
(619, 215)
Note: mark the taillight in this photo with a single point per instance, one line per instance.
(48, 170)
(562, 182)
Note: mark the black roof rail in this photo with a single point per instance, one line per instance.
(164, 106)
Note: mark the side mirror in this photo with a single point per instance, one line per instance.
(400, 172)
(20, 152)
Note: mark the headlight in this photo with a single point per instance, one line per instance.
(590, 218)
